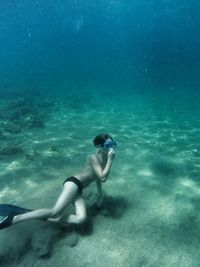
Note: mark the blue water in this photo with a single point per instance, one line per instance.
(137, 44)
(70, 70)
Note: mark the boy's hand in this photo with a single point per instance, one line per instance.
(111, 153)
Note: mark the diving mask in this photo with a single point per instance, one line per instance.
(109, 144)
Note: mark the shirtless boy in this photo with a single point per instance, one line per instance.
(96, 169)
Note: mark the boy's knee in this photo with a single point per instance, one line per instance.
(81, 219)
(55, 213)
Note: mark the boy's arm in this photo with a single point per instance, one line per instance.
(102, 174)
(100, 193)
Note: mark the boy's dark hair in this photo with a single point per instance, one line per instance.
(100, 139)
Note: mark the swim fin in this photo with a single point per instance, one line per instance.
(9, 211)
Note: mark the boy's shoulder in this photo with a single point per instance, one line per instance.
(91, 157)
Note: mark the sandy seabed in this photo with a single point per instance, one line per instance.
(150, 215)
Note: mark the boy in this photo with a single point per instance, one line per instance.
(97, 168)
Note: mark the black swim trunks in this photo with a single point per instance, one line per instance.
(76, 182)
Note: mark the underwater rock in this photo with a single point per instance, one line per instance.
(11, 127)
(26, 110)
(17, 103)
(14, 116)
(31, 122)
(20, 112)
(10, 150)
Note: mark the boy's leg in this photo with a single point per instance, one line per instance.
(66, 197)
(80, 211)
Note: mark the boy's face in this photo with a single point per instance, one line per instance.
(109, 144)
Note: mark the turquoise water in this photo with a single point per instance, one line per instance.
(71, 70)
